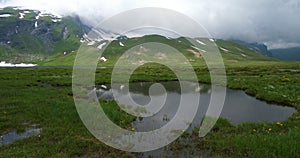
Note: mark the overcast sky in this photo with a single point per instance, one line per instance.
(273, 22)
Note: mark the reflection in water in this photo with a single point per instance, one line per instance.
(238, 108)
(11, 136)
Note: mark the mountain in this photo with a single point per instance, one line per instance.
(40, 37)
(257, 47)
(32, 36)
(245, 52)
(288, 54)
(231, 52)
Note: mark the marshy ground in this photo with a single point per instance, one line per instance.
(43, 97)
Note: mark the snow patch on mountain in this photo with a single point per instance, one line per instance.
(199, 49)
(22, 15)
(5, 15)
(103, 59)
(101, 45)
(201, 42)
(56, 20)
(91, 43)
(4, 64)
(244, 55)
(223, 49)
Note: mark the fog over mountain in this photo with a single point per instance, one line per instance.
(272, 22)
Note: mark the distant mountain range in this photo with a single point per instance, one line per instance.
(257, 47)
(288, 54)
(36, 36)
(230, 51)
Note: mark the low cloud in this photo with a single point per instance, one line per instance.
(273, 22)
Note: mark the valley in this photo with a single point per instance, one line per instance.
(38, 116)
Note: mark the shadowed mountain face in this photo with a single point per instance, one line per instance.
(257, 47)
(30, 36)
(285, 54)
(289, 54)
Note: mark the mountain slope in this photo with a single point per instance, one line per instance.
(235, 51)
(289, 54)
(47, 39)
(31, 36)
(257, 47)
(231, 52)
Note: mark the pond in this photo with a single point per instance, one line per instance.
(238, 108)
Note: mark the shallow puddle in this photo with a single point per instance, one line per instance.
(11, 136)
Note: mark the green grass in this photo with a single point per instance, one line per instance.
(60, 60)
(30, 44)
(248, 140)
(27, 101)
(236, 54)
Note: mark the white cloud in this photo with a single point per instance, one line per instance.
(265, 21)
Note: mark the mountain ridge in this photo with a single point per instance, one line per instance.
(31, 35)
(257, 47)
(230, 51)
(287, 54)
(34, 36)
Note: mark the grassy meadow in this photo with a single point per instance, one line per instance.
(43, 97)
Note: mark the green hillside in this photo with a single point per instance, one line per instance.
(288, 54)
(49, 40)
(232, 53)
(32, 36)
